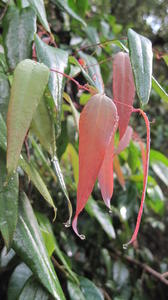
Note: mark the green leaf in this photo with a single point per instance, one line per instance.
(156, 156)
(63, 4)
(43, 127)
(93, 71)
(33, 290)
(35, 177)
(155, 199)
(133, 157)
(8, 202)
(38, 6)
(17, 280)
(79, 6)
(61, 181)
(86, 291)
(18, 32)
(4, 94)
(51, 243)
(103, 218)
(141, 56)
(28, 244)
(3, 143)
(165, 57)
(74, 291)
(161, 171)
(55, 59)
(29, 82)
(159, 90)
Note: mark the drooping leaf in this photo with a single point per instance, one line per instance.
(28, 244)
(43, 127)
(123, 89)
(141, 56)
(33, 290)
(19, 27)
(56, 59)
(124, 142)
(38, 6)
(8, 202)
(4, 94)
(104, 219)
(95, 131)
(17, 280)
(159, 89)
(29, 82)
(63, 4)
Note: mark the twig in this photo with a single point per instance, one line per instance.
(4, 11)
(106, 295)
(58, 266)
(144, 267)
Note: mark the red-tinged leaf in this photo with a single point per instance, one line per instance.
(146, 167)
(119, 172)
(125, 140)
(123, 89)
(96, 127)
(105, 176)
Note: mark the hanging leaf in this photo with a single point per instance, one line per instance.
(17, 280)
(96, 117)
(33, 290)
(141, 56)
(19, 27)
(56, 59)
(123, 89)
(43, 127)
(29, 82)
(63, 4)
(38, 6)
(28, 244)
(8, 202)
(4, 94)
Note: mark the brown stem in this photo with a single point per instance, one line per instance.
(58, 266)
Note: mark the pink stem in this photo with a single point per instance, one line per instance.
(134, 236)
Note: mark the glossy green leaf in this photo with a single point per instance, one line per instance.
(165, 57)
(33, 290)
(38, 6)
(103, 218)
(43, 127)
(4, 94)
(28, 244)
(87, 290)
(63, 4)
(74, 291)
(61, 181)
(51, 243)
(55, 59)
(8, 201)
(93, 70)
(37, 180)
(17, 280)
(159, 90)
(141, 56)
(79, 6)
(29, 82)
(156, 156)
(161, 171)
(155, 199)
(19, 28)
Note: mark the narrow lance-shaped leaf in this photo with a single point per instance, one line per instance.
(124, 142)
(95, 132)
(19, 28)
(8, 202)
(141, 56)
(123, 89)
(56, 59)
(28, 244)
(29, 82)
(38, 6)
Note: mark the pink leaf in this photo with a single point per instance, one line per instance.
(95, 132)
(123, 89)
(125, 140)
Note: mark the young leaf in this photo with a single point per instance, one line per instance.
(29, 82)
(124, 142)
(95, 132)
(141, 56)
(8, 202)
(19, 27)
(38, 6)
(57, 60)
(63, 4)
(43, 127)
(123, 89)
(28, 244)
